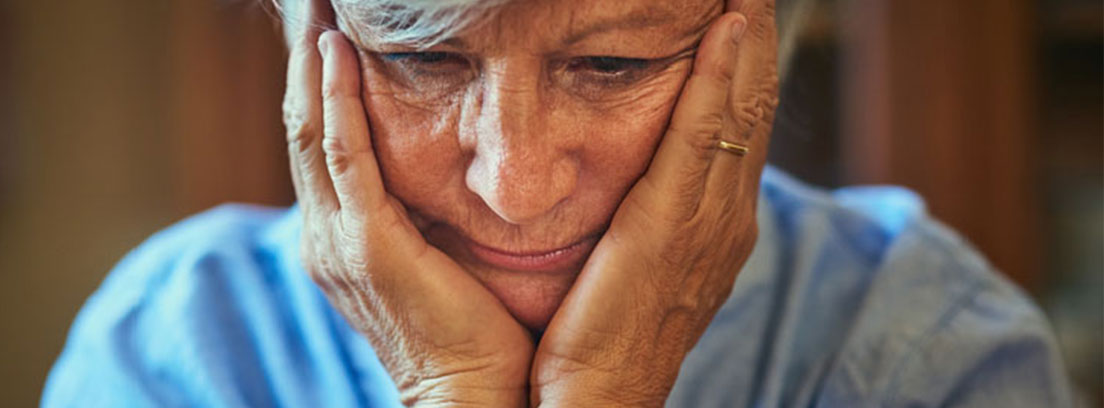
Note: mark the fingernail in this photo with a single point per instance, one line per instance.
(738, 25)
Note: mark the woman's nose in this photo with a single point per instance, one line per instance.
(522, 167)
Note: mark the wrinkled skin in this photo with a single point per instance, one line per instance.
(400, 164)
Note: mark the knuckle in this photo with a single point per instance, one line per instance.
(759, 108)
(747, 113)
(703, 133)
(340, 152)
(767, 14)
(718, 73)
(301, 130)
(333, 91)
(291, 108)
(333, 146)
(338, 156)
(704, 147)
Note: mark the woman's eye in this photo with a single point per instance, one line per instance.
(419, 57)
(432, 62)
(608, 66)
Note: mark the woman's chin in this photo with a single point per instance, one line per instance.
(531, 297)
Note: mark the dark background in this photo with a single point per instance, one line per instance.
(118, 118)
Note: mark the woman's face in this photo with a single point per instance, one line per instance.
(513, 143)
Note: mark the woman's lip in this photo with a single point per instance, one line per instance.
(533, 261)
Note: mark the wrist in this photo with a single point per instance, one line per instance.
(593, 398)
(454, 395)
(480, 388)
(594, 391)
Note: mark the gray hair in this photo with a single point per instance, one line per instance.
(423, 23)
(419, 23)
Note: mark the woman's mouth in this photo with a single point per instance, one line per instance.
(533, 261)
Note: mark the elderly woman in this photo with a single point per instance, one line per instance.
(562, 203)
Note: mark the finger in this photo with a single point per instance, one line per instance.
(754, 92)
(346, 141)
(734, 179)
(303, 106)
(681, 163)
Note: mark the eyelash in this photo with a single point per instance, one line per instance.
(604, 69)
(609, 66)
(420, 57)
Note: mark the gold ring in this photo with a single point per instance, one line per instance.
(737, 149)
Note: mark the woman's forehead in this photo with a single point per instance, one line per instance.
(589, 11)
(564, 22)
(575, 19)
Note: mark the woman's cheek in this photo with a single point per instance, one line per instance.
(631, 127)
(414, 140)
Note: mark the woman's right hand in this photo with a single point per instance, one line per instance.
(440, 334)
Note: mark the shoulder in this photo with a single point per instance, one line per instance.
(864, 220)
(210, 311)
(939, 326)
(183, 266)
(924, 319)
(859, 298)
(201, 245)
(133, 335)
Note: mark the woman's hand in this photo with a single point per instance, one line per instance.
(441, 335)
(680, 237)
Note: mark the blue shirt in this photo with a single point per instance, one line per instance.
(851, 298)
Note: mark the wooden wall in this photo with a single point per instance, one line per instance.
(118, 118)
(226, 71)
(940, 96)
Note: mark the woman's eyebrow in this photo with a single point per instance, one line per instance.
(646, 18)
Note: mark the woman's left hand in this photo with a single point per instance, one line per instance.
(678, 240)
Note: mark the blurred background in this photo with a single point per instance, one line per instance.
(118, 118)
